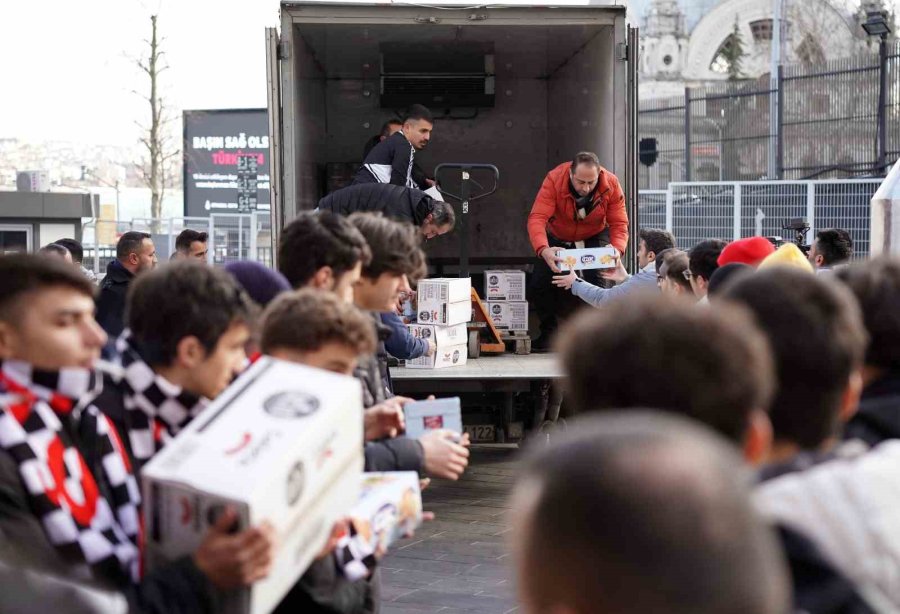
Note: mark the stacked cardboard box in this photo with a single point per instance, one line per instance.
(444, 308)
(506, 304)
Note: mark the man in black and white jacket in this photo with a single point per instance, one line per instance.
(392, 160)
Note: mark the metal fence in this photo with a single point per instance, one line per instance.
(731, 210)
(232, 237)
(831, 121)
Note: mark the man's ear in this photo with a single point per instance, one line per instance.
(323, 279)
(7, 340)
(189, 352)
(850, 397)
(820, 260)
(428, 219)
(702, 283)
(757, 438)
(651, 256)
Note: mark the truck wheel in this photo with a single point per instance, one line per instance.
(474, 344)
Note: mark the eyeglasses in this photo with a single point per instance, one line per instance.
(688, 275)
(660, 278)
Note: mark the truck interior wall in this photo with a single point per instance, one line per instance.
(554, 97)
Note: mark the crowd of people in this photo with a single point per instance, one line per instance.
(735, 406)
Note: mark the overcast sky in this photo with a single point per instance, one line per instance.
(68, 71)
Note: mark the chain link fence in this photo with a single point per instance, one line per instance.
(694, 211)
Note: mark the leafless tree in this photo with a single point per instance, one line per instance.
(159, 165)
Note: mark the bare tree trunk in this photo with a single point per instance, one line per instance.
(156, 171)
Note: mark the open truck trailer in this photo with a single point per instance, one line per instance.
(519, 86)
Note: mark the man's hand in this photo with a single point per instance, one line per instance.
(432, 347)
(444, 458)
(565, 281)
(338, 531)
(385, 419)
(549, 254)
(617, 274)
(232, 561)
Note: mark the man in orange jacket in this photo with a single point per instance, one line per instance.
(580, 204)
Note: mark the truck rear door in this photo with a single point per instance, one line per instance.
(631, 147)
(273, 88)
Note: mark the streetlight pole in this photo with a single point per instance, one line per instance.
(774, 63)
(877, 25)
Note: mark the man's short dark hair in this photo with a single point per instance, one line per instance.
(54, 249)
(640, 511)
(74, 248)
(657, 240)
(876, 285)
(317, 239)
(187, 237)
(653, 351)
(386, 127)
(24, 273)
(183, 299)
(585, 157)
(443, 214)
(726, 274)
(130, 243)
(306, 320)
(703, 257)
(834, 245)
(395, 246)
(418, 112)
(815, 330)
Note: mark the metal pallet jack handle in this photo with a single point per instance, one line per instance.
(464, 199)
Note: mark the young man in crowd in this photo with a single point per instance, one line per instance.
(711, 365)
(876, 286)
(70, 500)
(642, 512)
(75, 248)
(818, 340)
(702, 263)
(191, 244)
(652, 242)
(832, 249)
(392, 160)
(324, 251)
(135, 255)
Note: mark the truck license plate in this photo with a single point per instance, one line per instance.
(480, 433)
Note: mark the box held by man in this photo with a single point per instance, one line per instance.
(587, 258)
(281, 444)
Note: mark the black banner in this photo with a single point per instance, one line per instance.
(226, 161)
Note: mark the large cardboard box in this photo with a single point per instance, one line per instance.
(428, 415)
(451, 356)
(389, 508)
(445, 314)
(504, 285)
(509, 315)
(441, 290)
(442, 336)
(281, 444)
(588, 258)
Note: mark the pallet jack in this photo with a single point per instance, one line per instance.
(483, 335)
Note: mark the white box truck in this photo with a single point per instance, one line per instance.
(523, 86)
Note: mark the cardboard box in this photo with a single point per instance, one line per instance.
(423, 416)
(509, 315)
(442, 336)
(445, 314)
(451, 356)
(282, 444)
(588, 258)
(441, 290)
(389, 508)
(504, 285)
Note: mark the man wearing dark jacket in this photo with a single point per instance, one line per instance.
(135, 254)
(876, 285)
(433, 217)
(392, 160)
(84, 528)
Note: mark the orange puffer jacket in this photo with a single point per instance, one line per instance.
(554, 208)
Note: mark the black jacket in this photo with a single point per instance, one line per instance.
(396, 202)
(111, 299)
(391, 161)
(878, 417)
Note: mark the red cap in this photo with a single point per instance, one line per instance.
(750, 251)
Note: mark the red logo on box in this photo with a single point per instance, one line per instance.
(434, 422)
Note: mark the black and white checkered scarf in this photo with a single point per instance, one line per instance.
(155, 408)
(85, 495)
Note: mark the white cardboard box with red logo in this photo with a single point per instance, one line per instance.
(444, 300)
(281, 444)
(504, 285)
(442, 336)
(587, 258)
(448, 356)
